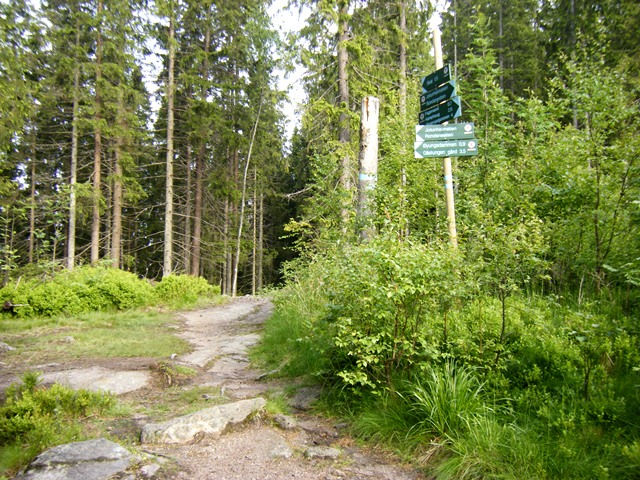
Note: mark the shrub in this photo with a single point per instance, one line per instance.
(33, 418)
(84, 289)
(184, 289)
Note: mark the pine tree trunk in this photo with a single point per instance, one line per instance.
(343, 94)
(226, 263)
(186, 259)
(116, 232)
(197, 213)
(71, 239)
(261, 242)
(168, 219)
(197, 216)
(97, 153)
(254, 281)
(32, 207)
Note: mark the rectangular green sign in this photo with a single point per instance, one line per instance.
(441, 113)
(444, 132)
(440, 94)
(446, 148)
(436, 78)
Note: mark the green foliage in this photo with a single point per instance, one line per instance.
(445, 399)
(84, 289)
(184, 289)
(33, 418)
(412, 341)
(95, 289)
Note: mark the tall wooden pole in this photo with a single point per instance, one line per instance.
(368, 163)
(446, 162)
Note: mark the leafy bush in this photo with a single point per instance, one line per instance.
(389, 305)
(38, 418)
(84, 289)
(386, 321)
(184, 289)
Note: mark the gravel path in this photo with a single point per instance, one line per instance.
(261, 449)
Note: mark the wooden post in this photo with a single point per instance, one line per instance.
(446, 162)
(368, 160)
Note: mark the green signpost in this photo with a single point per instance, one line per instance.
(443, 112)
(446, 148)
(445, 132)
(439, 94)
(436, 78)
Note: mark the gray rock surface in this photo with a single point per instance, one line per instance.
(285, 421)
(210, 421)
(5, 348)
(89, 460)
(323, 452)
(100, 379)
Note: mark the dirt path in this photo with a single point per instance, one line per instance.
(302, 445)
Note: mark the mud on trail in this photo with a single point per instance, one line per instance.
(266, 446)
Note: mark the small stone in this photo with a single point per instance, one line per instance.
(149, 471)
(285, 422)
(281, 451)
(5, 348)
(174, 356)
(322, 452)
(68, 339)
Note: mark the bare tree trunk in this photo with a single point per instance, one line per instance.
(254, 282)
(197, 213)
(197, 217)
(343, 93)
(368, 164)
(32, 207)
(242, 202)
(71, 239)
(168, 219)
(116, 232)
(261, 242)
(402, 101)
(500, 46)
(97, 153)
(187, 218)
(226, 263)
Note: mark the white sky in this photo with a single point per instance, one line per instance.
(289, 21)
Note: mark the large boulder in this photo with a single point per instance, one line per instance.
(89, 460)
(211, 421)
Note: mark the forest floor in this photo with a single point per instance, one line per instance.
(217, 370)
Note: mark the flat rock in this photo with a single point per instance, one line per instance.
(5, 347)
(210, 421)
(100, 379)
(89, 460)
(285, 421)
(322, 452)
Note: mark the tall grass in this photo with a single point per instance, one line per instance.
(445, 399)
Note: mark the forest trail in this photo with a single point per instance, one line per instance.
(262, 446)
(280, 447)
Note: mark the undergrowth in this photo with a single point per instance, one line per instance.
(33, 418)
(423, 353)
(93, 289)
